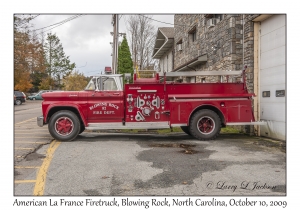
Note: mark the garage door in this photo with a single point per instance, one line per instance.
(273, 76)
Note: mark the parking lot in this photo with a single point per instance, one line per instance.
(145, 163)
(148, 164)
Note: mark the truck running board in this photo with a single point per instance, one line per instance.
(129, 125)
(248, 123)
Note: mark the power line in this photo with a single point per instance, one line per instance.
(26, 20)
(34, 17)
(63, 21)
(161, 21)
(60, 23)
(82, 66)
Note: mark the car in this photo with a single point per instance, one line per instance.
(15, 99)
(38, 96)
(20, 97)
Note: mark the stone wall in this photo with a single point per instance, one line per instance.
(222, 43)
(249, 49)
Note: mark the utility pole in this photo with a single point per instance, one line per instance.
(115, 23)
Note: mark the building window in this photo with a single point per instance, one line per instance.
(213, 19)
(219, 16)
(179, 45)
(192, 34)
(280, 93)
(266, 94)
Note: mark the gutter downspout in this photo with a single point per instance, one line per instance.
(243, 39)
(173, 54)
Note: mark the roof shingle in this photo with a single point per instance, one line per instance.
(167, 31)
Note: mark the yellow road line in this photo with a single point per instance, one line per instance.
(24, 181)
(28, 137)
(46, 129)
(27, 110)
(26, 167)
(24, 121)
(30, 133)
(30, 142)
(41, 176)
(32, 137)
(19, 156)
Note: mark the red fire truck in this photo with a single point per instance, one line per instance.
(200, 109)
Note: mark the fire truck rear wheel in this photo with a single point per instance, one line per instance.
(205, 125)
(64, 125)
(186, 129)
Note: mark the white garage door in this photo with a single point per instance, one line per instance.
(273, 76)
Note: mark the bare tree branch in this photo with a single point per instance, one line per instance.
(141, 39)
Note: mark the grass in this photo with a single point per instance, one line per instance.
(165, 131)
(158, 131)
(226, 130)
(230, 130)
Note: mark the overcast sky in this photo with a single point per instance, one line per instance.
(86, 39)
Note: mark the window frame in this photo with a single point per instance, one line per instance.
(193, 34)
(177, 45)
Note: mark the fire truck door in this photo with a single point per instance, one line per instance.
(106, 105)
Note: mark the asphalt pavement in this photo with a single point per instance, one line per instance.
(143, 164)
(108, 164)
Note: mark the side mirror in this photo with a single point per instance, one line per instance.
(127, 77)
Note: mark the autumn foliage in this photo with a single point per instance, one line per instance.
(28, 55)
(38, 64)
(75, 81)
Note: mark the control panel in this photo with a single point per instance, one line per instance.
(145, 106)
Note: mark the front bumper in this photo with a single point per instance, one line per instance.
(40, 121)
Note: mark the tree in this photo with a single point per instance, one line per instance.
(37, 80)
(58, 65)
(75, 81)
(142, 34)
(124, 58)
(46, 83)
(22, 80)
(28, 54)
(37, 64)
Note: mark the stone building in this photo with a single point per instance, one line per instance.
(214, 40)
(228, 42)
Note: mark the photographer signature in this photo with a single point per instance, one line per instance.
(245, 185)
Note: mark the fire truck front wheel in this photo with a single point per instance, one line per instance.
(82, 128)
(205, 125)
(186, 129)
(64, 125)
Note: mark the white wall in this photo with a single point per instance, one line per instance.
(166, 62)
(273, 76)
